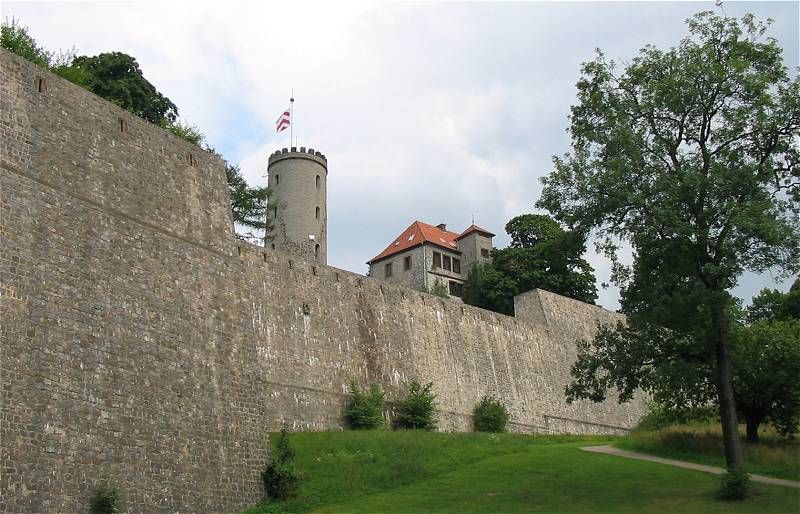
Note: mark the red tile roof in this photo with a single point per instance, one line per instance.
(475, 228)
(415, 235)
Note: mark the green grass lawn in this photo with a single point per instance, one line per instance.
(702, 443)
(433, 472)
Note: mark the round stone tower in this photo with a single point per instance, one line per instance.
(297, 208)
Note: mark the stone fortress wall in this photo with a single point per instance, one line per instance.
(140, 341)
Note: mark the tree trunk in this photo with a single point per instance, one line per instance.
(752, 429)
(734, 457)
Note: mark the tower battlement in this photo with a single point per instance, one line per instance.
(302, 153)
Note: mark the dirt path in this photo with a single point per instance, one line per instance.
(610, 450)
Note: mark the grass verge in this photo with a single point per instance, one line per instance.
(702, 443)
(385, 471)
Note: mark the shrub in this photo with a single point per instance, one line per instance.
(106, 500)
(439, 289)
(490, 415)
(416, 410)
(734, 485)
(281, 478)
(364, 410)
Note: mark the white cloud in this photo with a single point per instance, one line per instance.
(425, 111)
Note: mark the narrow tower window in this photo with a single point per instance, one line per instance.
(316, 213)
(123, 125)
(277, 179)
(316, 181)
(316, 251)
(40, 84)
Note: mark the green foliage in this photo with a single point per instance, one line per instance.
(489, 288)
(416, 410)
(490, 415)
(365, 409)
(116, 77)
(661, 416)
(439, 289)
(106, 500)
(541, 255)
(248, 204)
(281, 478)
(734, 485)
(688, 156)
(15, 38)
(766, 360)
(185, 131)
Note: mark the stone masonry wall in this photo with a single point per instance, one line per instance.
(139, 341)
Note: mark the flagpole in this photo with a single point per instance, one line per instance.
(291, 120)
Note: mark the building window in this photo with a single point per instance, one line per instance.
(123, 125)
(316, 181)
(277, 179)
(484, 253)
(437, 260)
(316, 251)
(191, 159)
(456, 265)
(407, 263)
(41, 85)
(446, 263)
(316, 213)
(456, 289)
(274, 211)
(388, 270)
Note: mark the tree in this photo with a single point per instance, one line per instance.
(15, 38)
(248, 204)
(688, 156)
(766, 357)
(541, 254)
(116, 77)
(416, 410)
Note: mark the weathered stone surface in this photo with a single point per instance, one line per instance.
(140, 341)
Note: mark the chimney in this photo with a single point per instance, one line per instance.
(441, 226)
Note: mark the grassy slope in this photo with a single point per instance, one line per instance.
(702, 443)
(431, 472)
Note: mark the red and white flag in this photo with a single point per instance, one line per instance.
(283, 121)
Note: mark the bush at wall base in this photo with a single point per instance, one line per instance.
(734, 485)
(281, 478)
(490, 415)
(106, 500)
(416, 409)
(364, 410)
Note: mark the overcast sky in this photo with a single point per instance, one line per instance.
(426, 111)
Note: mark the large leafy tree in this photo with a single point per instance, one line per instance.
(541, 255)
(116, 77)
(689, 155)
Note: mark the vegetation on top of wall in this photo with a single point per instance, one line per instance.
(116, 77)
(416, 410)
(541, 255)
(439, 289)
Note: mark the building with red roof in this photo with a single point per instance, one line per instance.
(424, 255)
